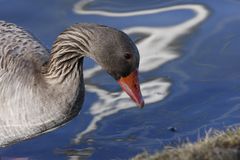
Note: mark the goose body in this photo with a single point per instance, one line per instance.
(40, 91)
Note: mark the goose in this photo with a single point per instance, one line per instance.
(41, 90)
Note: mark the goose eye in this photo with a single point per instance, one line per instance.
(128, 56)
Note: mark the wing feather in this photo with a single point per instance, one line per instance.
(18, 48)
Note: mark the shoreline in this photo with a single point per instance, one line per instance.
(215, 146)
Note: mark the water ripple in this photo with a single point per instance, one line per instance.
(155, 49)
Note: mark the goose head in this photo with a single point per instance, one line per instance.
(119, 56)
(113, 50)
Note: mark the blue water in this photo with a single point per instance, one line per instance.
(189, 70)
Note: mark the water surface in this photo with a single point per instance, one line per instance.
(189, 73)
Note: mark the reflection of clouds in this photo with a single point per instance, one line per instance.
(81, 8)
(109, 104)
(155, 50)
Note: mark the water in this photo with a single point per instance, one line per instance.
(189, 70)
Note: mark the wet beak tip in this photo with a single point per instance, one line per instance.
(141, 104)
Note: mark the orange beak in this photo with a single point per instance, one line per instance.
(130, 85)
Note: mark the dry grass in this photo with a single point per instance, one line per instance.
(218, 146)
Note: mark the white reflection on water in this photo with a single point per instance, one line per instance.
(154, 49)
(109, 104)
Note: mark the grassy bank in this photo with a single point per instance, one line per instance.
(219, 146)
